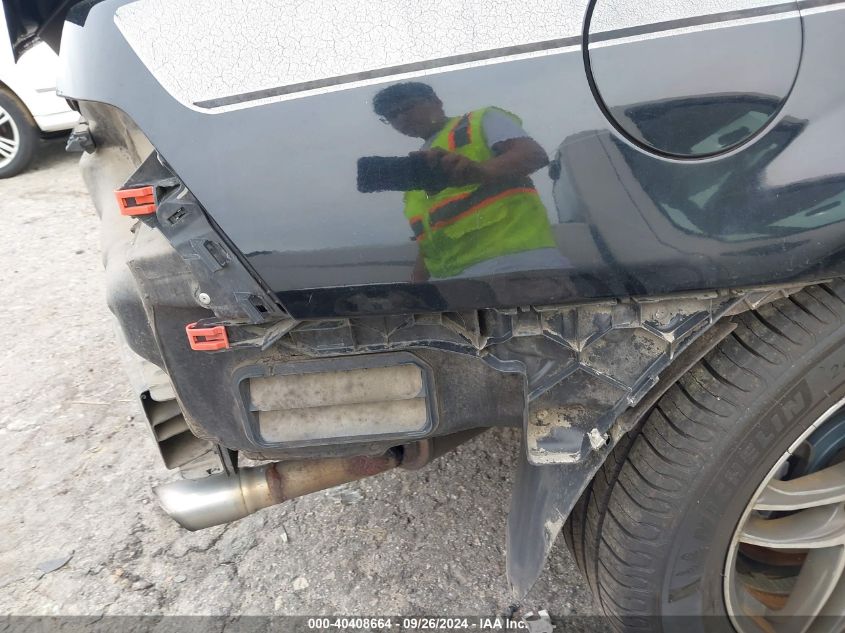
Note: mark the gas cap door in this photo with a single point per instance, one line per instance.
(692, 79)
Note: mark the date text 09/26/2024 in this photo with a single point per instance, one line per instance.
(417, 624)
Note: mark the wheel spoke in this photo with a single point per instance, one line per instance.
(4, 117)
(819, 488)
(8, 147)
(832, 617)
(817, 581)
(817, 527)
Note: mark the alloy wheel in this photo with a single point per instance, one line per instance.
(9, 138)
(785, 571)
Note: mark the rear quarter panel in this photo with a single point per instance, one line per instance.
(274, 164)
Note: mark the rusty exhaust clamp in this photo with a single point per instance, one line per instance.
(201, 503)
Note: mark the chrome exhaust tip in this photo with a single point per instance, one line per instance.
(201, 503)
(196, 504)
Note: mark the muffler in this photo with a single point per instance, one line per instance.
(201, 503)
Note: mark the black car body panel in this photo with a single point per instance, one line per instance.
(30, 22)
(695, 171)
(630, 221)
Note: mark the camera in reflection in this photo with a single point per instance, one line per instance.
(399, 173)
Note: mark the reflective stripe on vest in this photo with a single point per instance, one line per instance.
(463, 204)
(417, 227)
(460, 135)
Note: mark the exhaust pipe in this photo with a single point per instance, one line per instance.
(196, 504)
(201, 503)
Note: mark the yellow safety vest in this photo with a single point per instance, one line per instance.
(461, 226)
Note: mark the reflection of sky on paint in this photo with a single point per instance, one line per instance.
(338, 128)
(811, 155)
(698, 66)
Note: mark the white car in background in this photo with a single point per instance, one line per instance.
(29, 106)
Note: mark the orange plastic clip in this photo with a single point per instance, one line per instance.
(207, 339)
(140, 201)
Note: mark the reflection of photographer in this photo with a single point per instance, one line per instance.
(471, 205)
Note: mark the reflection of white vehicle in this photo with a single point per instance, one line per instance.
(29, 107)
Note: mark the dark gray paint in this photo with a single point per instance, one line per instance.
(704, 83)
(284, 188)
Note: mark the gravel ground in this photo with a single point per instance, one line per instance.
(79, 468)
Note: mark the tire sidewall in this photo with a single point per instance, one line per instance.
(27, 131)
(693, 578)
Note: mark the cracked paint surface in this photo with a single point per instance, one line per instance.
(621, 14)
(213, 48)
(209, 49)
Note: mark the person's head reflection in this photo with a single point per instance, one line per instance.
(412, 109)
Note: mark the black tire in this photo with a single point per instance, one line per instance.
(653, 530)
(27, 133)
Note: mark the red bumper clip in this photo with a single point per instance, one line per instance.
(140, 201)
(207, 339)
